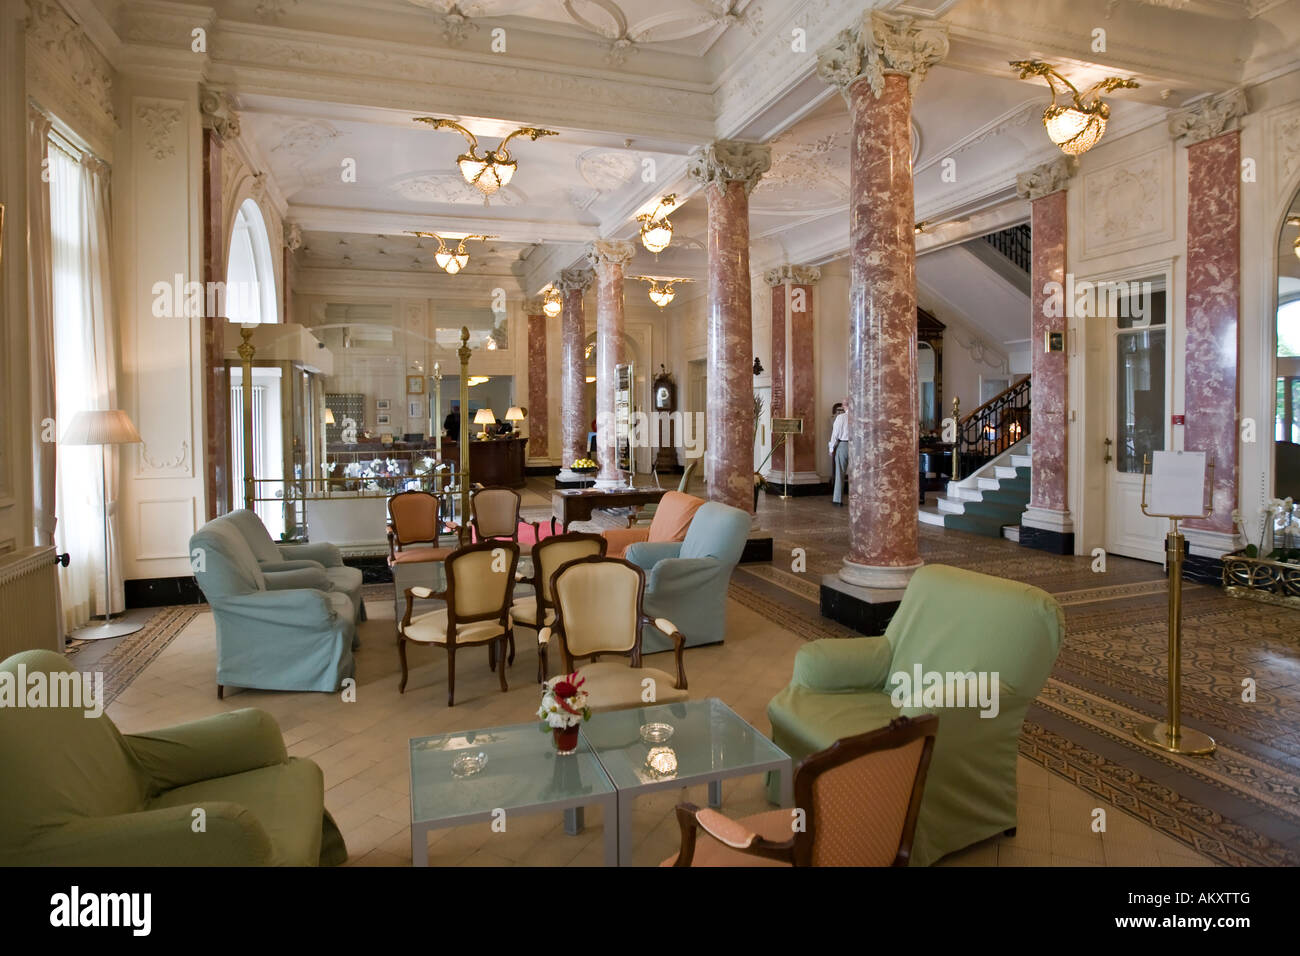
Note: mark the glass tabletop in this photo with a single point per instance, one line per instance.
(694, 738)
(478, 771)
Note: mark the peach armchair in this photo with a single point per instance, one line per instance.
(672, 520)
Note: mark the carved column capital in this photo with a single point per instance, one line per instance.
(1046, 178)
(292, 236)
(1209, 117)
(882, 43)
(794, 275)
(219, 113)
(574, 280)
(730, 160)
(611, 252)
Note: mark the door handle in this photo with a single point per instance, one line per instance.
(1108, 457)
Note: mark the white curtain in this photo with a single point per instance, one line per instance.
(85, 377)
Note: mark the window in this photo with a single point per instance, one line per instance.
(250, 270)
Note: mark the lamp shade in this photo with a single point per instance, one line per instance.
(329, 416)
(109, 427)
(515, 414)
(484, 416)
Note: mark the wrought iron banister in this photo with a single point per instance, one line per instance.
(991, 428)
(1014, 243)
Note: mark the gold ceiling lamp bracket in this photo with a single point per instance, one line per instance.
(1169, 734)
(451, 262)
(661, 289)
(1077, 127)
(493, 169)
(1294, 221)
(552, 303)
(656, 229)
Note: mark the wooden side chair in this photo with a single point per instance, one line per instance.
(494, 515)
(414, 518)
(480, 586)
(860, 798)
(538, 611)
(598, 610)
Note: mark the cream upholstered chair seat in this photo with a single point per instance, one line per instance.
(613, 685)
(431, 628)
(420, 555)
(598, 603)
(524, 611)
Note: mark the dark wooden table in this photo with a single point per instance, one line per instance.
(577, 504)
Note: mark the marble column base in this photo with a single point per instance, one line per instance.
(607, 483)
(1203, 562)
(866, 610)
(869, 576)
(571, 477)
(1044, 529)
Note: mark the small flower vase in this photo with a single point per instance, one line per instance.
(566, 739)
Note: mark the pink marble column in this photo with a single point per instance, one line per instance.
(876, 66)
(1046, 524)
(609, 257)
(1213, 306)
(538, 420)
(794, 378)
(574, 423)
(729, 170)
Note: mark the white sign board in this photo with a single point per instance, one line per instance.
(1177, 483)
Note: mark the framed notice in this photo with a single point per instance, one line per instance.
(623, 416)
(1177, 483)
(415, 385)
(787, 426)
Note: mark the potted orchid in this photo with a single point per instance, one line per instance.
(1271, 575)
(562, 711)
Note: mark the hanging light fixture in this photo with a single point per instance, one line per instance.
(552, 302)
(450, 261)
(656, 230)
(1295, 221)
(495, 168)
(1079, 126)
(661, 289)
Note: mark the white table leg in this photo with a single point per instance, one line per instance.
(574, 820)
(419, 846)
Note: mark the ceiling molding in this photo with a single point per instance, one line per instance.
(337, 219)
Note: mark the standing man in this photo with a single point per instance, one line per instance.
(839, 449)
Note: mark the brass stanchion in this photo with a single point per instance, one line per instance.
(464, 352)
(246, 351)
(956, 438)
(1170, 734)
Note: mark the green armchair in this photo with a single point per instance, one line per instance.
(950, 622)
(80, 793)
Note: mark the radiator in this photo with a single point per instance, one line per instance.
(29, 601)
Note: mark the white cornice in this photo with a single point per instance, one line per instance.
(312, 280)
(335, 219)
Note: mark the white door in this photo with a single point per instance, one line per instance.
(1138, 418)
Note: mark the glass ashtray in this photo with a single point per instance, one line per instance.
(468, 764)
(656, 733)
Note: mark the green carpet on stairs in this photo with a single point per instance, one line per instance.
(998, 507)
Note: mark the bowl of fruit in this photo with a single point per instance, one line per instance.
(584, 466)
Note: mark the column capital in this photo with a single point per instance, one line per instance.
(882, 43)
(533, 306)
(292, 236)
(1209, 117)
(610, 252)
(218, 112)
(730, 160)
(575, 280)
(794, 275)
(1046, 178)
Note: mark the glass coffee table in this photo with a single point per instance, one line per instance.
(487, 775)
(677, 745)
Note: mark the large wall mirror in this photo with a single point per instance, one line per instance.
(1286, 416)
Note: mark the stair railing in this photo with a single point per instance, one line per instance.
(991, 428)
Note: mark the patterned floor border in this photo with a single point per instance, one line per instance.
(133, 653)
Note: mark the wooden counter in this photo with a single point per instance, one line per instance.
(499, 461)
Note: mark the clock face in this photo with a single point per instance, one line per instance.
(661, 397)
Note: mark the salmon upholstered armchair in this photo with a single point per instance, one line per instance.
(672, 520)
(538, 609)
(860, 798)
(598, 612)
(414, 518)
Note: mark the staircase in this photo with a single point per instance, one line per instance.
(989, 502)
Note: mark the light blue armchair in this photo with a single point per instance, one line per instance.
(272, 557)
(276, 630)
(686, 581)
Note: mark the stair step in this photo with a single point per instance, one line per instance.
(975, 524)
(1010, 496)
(1012, 532)
(1005, 471)
(1022, 461)
(953, 506)
(929, 514)
(1007, 514)
(1013, 484)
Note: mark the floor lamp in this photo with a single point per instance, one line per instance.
(110, 427)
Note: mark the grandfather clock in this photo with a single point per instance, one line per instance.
(663, 396)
